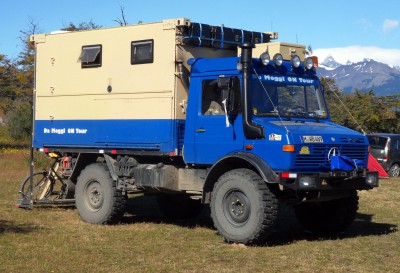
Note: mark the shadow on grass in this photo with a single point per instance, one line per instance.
(144, 209)
(363, 226)
(12, 227)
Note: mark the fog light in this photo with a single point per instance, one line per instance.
(265, 58)
(306, 181)
(295, 61)
(372, 179)
(278, 59)
(309, 63)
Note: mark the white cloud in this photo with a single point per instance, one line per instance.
(389, 25)
(358, 53)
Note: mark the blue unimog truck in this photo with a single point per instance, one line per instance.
(196, 114)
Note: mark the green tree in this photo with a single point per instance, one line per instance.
(362, 111)
(19, 120)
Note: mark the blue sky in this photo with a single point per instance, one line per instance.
(349, 30)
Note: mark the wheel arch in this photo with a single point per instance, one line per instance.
(235, 161)
(82, 161)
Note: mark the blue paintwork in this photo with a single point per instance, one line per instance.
(156, 135)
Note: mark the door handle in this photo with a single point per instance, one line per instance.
(200, 130)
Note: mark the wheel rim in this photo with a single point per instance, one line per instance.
(236, 207)
(94, 196)
(395, 170)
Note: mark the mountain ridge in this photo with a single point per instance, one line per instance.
(366, 75)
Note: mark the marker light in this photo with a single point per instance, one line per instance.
(295, 61)
(309, 63)
(288, 148)
(265, 58)
(278, 59)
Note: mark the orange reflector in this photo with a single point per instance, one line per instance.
(288, 148)
(315, 59)
(249, 147)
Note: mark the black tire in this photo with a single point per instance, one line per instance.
(329, 217)
(178, 206)
(96, 197)
(243, 208)
(394, 170)
(42, 186)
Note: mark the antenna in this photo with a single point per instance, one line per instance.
(348, 111)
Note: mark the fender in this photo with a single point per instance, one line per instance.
(81, 162)
(234, 161)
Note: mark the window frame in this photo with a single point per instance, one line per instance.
(98, 61)
(145, 61)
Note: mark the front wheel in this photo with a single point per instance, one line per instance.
(243, 208)
(96, 197)
(329, 217)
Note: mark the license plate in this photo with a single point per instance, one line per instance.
(312, 139)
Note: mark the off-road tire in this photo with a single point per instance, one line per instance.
(243, 208)
(329, 217)
(96, 197)
(178, 206)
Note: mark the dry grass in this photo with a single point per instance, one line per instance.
(56, 240)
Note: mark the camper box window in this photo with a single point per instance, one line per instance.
(142, 52)
(91, 56)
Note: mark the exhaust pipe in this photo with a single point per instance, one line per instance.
(251, 130)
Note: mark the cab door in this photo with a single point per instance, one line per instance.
(216, 133)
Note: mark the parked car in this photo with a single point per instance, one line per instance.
(386, 149)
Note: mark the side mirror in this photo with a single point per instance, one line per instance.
(228, 94)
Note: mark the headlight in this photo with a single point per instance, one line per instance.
(278, 59)
(295, 61)
(309, 63)
(265, 58)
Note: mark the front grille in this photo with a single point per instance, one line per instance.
(318, 157)
(352, 140)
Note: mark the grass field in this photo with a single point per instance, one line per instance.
(54, 239)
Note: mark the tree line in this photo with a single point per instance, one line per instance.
(361, 111)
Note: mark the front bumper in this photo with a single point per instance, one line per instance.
(334, 180)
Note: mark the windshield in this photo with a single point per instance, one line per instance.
(286, 96)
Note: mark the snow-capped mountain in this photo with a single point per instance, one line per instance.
(364, 76)
(329, 63)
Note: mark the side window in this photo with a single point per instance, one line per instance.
(211, 98)
(91, 56)
(142, 52)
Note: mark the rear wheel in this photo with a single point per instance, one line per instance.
(329, 217)
(243, 208)
(178, 206)
(42, 186)
(96, 197)
(394, 170)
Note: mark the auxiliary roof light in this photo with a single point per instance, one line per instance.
(278, 59)
(295, 61)
(309, 63)
(265, 58)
